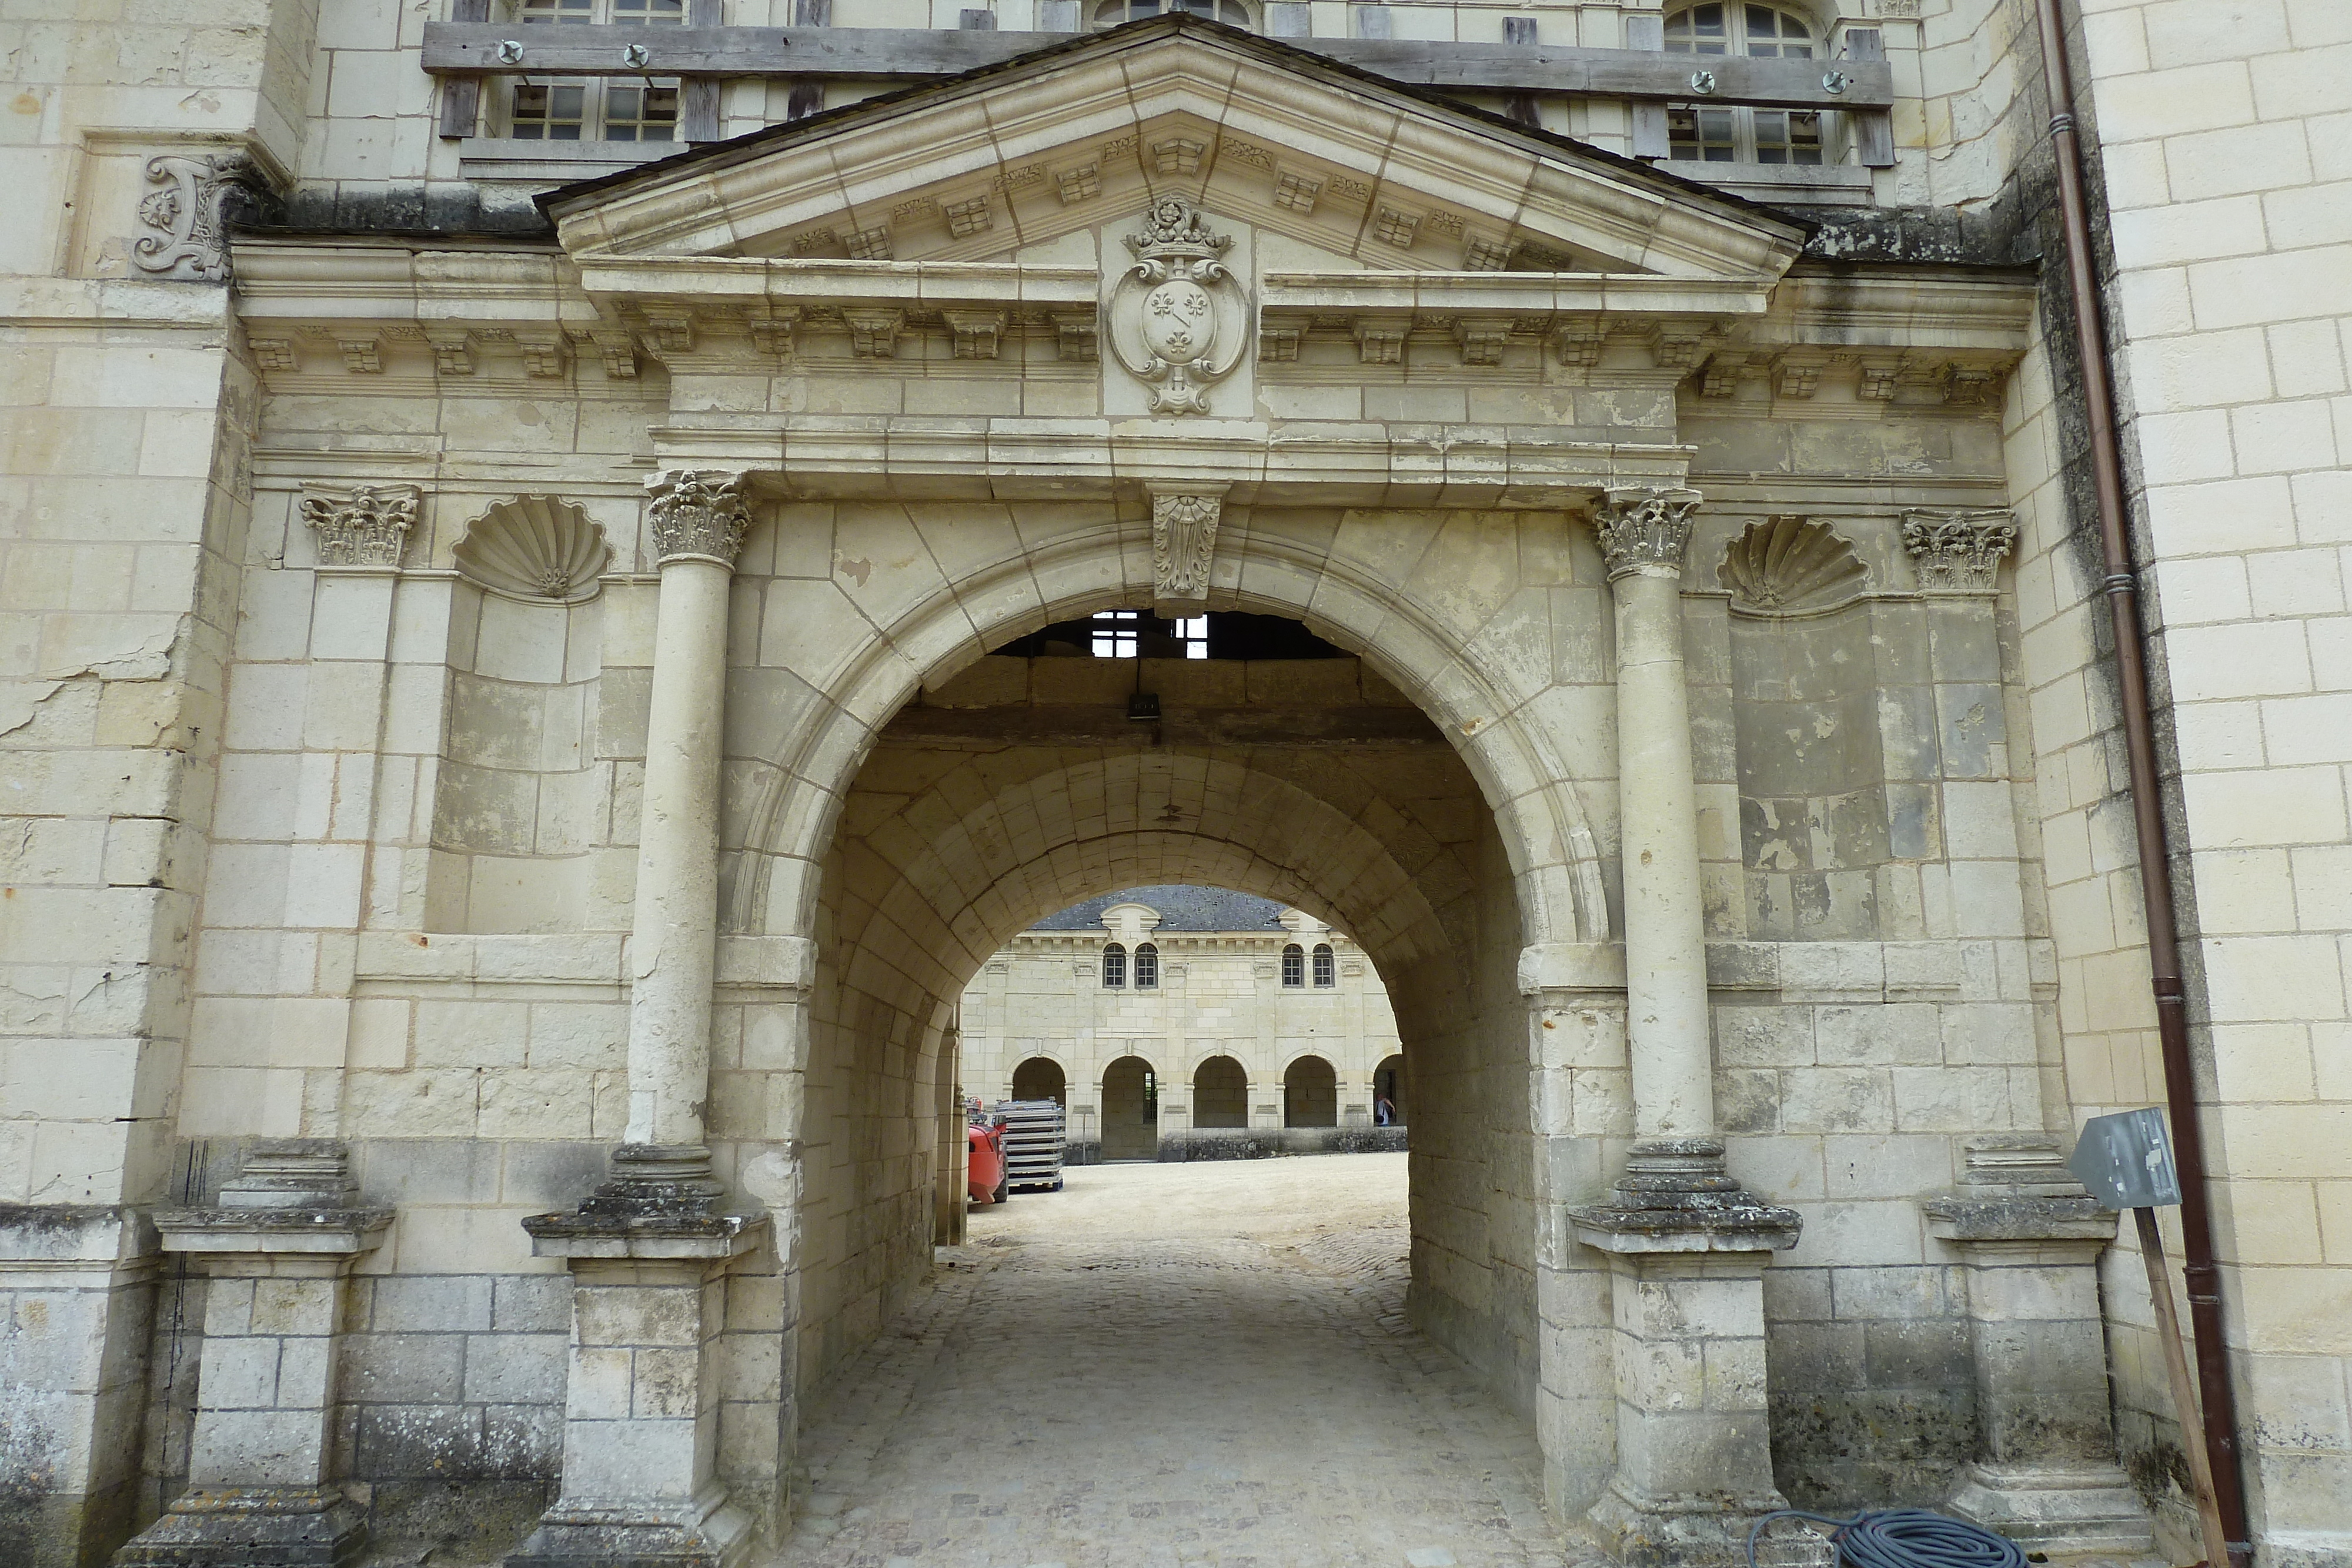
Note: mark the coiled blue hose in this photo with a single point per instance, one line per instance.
(1905, 1538)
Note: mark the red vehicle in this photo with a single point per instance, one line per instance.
(984, 1138)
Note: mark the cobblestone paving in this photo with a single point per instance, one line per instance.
(1169, 1364)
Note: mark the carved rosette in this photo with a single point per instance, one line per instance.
(1958, 552)
(1184, 543)
(365, 526)
(1644, 532)
(698, 515)
(186, 238)
(1179, 320)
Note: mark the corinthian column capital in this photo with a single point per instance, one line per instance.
(1645, 530)
(698, 515)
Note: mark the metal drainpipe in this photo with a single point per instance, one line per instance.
(2121, 584)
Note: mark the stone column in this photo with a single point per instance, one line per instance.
(2029, 1238)
(1642, 536)
(649, 1254)
(1687, 1246)
(699, 522)
(278, 1248)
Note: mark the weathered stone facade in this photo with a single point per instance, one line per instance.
(504, 728)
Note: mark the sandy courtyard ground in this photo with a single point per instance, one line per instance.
(1164, 1365)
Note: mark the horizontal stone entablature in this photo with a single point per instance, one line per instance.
(832, 457)
(469, 49)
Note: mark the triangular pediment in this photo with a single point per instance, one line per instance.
(1013, 163)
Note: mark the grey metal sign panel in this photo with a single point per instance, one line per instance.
(2125, 1160)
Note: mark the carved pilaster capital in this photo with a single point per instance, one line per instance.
(698, 515)
(1645, 530)
(1958, 552)
(1183, 542)
(364, 526)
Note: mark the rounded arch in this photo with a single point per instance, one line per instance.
(1456, 642)
(1310, 1091)
(1388, 1083)
(1040, 1077)
(1220, 1091)
(1130, 1109)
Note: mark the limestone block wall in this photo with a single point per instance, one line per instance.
(2219, 144)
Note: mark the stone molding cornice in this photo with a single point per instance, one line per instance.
(1644, 532)
(1007, 132)
(696, 514)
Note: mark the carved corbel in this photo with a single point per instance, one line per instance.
(1578, 346)
(616, 349)
(1680, 347)
(275, 353)
(453, 350)
(187, 233)
(1798, 374)
(1958, 552)
(1380, 341)
(1184, 543)
(1278, 344)
(1722, 375)
(672, 331)
(977, 333)
(773, 328)
(874, 334)
(1483, 339)
(363, 356)
(1077, 337)
(366, 525)
(543, 353)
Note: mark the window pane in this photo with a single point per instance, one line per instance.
(547, 111)
(671, 11)
(1114, 966)
(1147, 967)
(1293, 966)
(555, 11)
(1804, 138)
(640, 113)
(1696, 31)
(1325, 973)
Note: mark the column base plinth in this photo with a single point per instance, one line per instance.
(1686, 1531)
(253, 1527)
(2094, 1509)
(630, 1535)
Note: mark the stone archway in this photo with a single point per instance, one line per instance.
(1130, 1110)
(1310, 1093)
(1219, 1093)
(1041, 1078)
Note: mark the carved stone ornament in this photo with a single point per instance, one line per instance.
(1958, 552)
(1644, 532)
(1789, 565)
(1179, 320)
(365, 526)
(698, 515)
(186, 239)
(1183, 542)
(534, 548)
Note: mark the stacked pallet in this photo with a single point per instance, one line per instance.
(1033, 1143)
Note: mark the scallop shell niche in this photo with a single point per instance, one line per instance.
(535, 547)
(1787, 566)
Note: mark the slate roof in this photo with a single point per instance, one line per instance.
(1181, 908)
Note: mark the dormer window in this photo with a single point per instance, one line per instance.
(1111, 13)
(1326, 972)
(606, 109)
(1294, 966)
(1704, 133)
(1113, 967)
(1147, 967)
